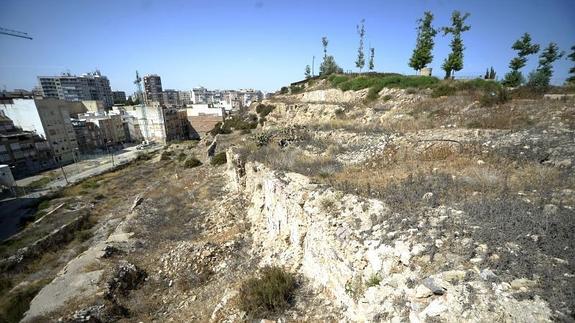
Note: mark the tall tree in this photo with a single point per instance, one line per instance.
(524, 48)
(422, 53)
(307, 72)
(541, 77)
(571, 56)
(360, 62)
(371, 56)
(454, 61)
(492, 73)
(328, 66)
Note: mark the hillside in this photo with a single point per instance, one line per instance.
(370, 198)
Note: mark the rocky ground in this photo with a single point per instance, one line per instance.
(406, 208)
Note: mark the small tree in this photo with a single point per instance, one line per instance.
(307, 72)
(541, 78)
(422, 54)
(328, 66)
(360, 62)
(571, 79)
(524, 48)
(454, 61)
(371, 55)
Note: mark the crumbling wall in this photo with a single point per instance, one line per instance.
(341, 243)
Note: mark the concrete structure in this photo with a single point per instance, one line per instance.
(24, 151)
(205, 109)
(202, 118)
(185, 97)
(201, 95)
(6, 178)
(163, 124)
(152, 89)
(88, 136)
(90, 86)
(119, 97)
(94, 106)
(50, 119)
(170, 98)
(110, 125)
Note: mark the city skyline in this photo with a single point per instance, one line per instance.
(258, 44)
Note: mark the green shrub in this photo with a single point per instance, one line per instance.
(165, 155)
(219, 159)
(270, 293)
(295, 89)
(491, 98)
(373, 280)
(192, 162)
(284, 90)
(181, 156)
(90, 184)
(539, 81)
(264, 109)
(443, 90)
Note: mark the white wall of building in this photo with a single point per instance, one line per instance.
(25, 115)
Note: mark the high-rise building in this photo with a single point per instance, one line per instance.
(68, 87)
(153, 88)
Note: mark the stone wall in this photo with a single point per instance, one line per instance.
(343, 245)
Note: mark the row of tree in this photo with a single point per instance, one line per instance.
(423, 53)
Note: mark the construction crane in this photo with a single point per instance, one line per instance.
(138, 83)
(15, 33)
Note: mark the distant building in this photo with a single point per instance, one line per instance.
(90, 86)
(170, 98)
(201, 95)
(24, 151)
(185, 97)
(94, 106)
(88, 136)
(160, 124)
(50, 119)
(202, 118)
(153, 88)
(110, 125)
(119, 97)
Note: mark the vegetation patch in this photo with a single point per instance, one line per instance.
(14, 304)
(270, 293)
(192, 162)
(219, 159)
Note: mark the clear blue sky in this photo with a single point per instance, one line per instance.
(261, 44)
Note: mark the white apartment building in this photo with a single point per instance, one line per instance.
(68, 87)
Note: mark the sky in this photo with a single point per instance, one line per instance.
(262, 44)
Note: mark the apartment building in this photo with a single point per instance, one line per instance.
(185, 97)
(110, 125)
(119, 97)
(159, 124)
(88, 136)
(170, 98)
(25, 152)
(153, 89)
(50, 119)
(68, 87)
